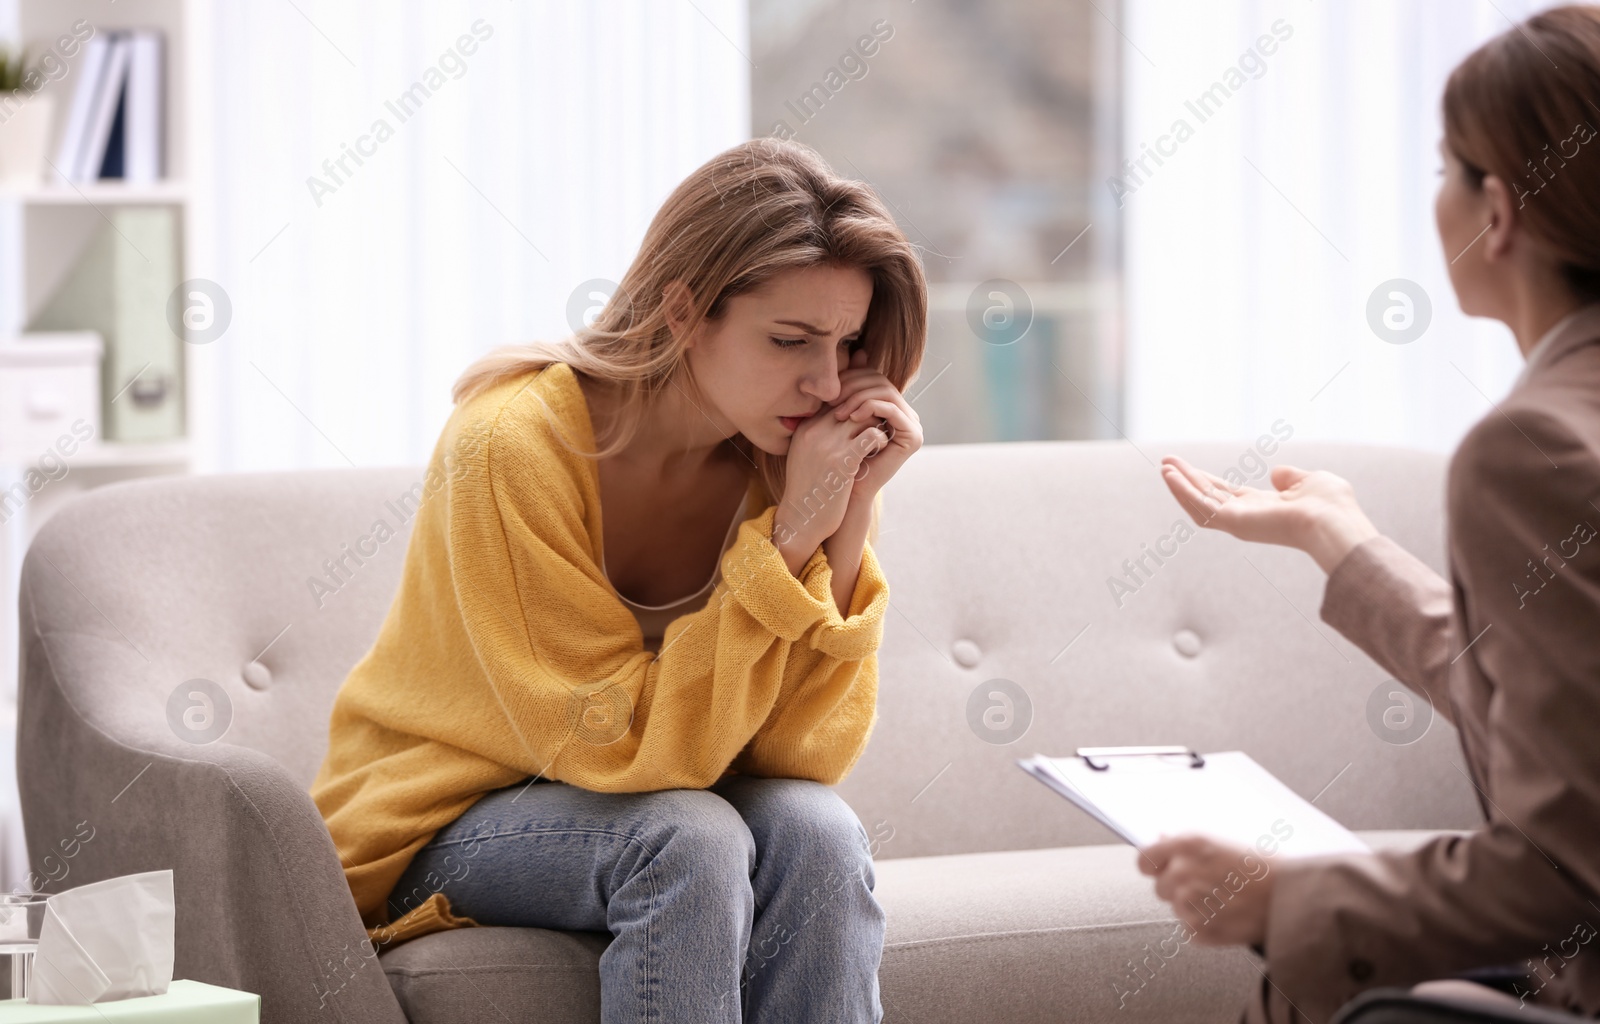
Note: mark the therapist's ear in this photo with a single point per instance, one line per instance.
(1502, 214)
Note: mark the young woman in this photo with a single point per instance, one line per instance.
(1506, 648)
(635, 637)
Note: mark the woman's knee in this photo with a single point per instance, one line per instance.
(698, 830)
(799, 821)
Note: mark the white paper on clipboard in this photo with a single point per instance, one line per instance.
(1230, 798)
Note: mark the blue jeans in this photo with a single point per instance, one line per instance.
(751, 900)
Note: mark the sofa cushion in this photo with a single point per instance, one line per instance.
(498, 974)
(1024, 935)
(1015, 937)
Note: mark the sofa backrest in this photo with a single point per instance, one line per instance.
(1016, 562)
(998, 558)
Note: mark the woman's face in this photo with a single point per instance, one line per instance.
(774, 356)
(1461, 211)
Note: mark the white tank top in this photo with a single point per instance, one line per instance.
(654, 619)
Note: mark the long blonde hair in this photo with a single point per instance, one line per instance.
(749, 213)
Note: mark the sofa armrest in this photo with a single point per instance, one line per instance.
(262, 902)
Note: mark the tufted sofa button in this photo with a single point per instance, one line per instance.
(257, 675)
(966, 653)
(1187, 641)
(1360, 970)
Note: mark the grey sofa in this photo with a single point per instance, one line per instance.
(1004, 903)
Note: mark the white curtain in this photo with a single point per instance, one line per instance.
(1253, 247)
(515, 172)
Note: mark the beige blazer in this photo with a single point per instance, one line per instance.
(1508, 649)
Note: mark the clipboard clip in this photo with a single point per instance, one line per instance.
(1090, 753)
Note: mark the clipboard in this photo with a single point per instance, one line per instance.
(1144, 793)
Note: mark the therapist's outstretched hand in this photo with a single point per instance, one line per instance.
(1222, 893)
(1315, 511)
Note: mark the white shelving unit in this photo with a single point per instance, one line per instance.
(44, 230)
(161, 193)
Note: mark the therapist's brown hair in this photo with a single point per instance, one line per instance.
(1522, 107)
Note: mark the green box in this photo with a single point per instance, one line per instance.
(184, 1002)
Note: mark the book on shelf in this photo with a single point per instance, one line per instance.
(115, 125)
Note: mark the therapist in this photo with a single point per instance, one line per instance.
(1507, 648)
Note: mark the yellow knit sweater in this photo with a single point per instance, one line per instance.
(507, 655)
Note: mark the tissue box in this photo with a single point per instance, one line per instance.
(184, 1002)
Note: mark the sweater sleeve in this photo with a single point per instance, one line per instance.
(827, 705)
(564, 658)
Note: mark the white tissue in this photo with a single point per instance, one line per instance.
(111, 939)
